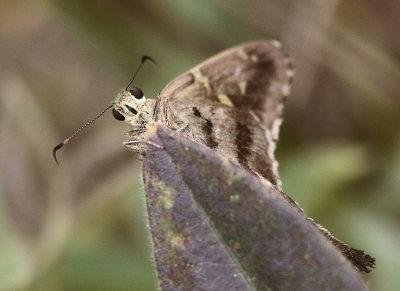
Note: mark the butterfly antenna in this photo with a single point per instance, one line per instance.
(60, 145)
(144, 58)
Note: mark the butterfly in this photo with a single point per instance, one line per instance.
(231, 103)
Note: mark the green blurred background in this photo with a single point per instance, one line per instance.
(81, 225)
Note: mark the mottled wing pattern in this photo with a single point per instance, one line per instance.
(233, 103)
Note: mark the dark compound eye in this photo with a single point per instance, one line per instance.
(136, 92)
(117, 115)
(131, 109)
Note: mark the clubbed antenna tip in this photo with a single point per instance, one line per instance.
(56, 148)
(144, 58)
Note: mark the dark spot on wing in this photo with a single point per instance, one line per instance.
(196, 112)
(243, 141)
(208, 129)
(209, 132)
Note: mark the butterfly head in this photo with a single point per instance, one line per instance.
(133, 107)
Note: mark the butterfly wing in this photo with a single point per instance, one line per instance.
(233, 103)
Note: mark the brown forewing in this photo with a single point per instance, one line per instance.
(253, 80)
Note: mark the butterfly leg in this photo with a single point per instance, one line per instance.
(183, 127)
(137, 133)
(137, 145)
(172, 121)
(137, 140)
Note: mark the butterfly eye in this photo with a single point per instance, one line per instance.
(117, 115)
(136, 92)
(131, 109)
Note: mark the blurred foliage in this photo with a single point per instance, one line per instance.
(80, 225)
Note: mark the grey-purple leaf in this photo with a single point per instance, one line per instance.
(215, 226)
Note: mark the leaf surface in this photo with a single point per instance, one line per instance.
(215, 226)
